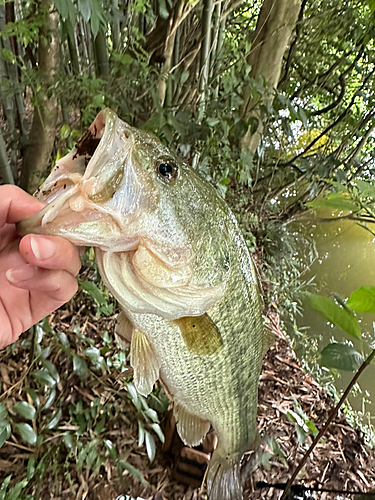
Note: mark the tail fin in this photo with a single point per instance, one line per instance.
(223, 478)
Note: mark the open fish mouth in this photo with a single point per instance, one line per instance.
(81, 184)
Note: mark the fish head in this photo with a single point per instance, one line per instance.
(157, 227)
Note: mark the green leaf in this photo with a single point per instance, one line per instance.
(68, 440)
(52, 370)
(100, 299)
(184, 77)
(335, 204)
(44, 378)
(3, 411)
(27, 433)
(65, 131)
(30, 468)
(80, 367)
(299, 424)
(335, 314)
(25, 409)
(14, 493)
(54, 420)
(342, 357)
(4, 487)
(157, 429)
(5, 432)
(111, 448)
(253, 124)
(302, 116)
(163, 11)
(95, 24)
(99, 428)
(362, 299)
(63, 339)
(84, 6)
(50, 399)
(135, 472)
(150, 413)
(34, 396)
(371, 4)
(150, 446)
(62, 8)
(141, 434)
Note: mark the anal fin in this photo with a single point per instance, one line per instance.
(191, 429)
(144, 363)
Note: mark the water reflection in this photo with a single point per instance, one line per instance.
(346, 261)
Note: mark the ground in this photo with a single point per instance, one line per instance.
(88, 423)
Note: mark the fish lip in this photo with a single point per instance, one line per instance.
(83, 184)
(39, 223)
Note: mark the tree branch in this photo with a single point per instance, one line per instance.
(293, 45)
(333, 124)
(336, 102)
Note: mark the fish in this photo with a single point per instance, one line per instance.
(170, 251)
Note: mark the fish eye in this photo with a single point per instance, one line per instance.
(167, 170)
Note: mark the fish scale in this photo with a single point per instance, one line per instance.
(170, 250)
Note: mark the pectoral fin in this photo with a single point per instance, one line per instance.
(200, 334)
(191, 429)
(123, 330)
(144, 363)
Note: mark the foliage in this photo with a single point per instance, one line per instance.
(340, 313)
(67, 433)
(302, 423)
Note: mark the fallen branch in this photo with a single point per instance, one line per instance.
(331, 417)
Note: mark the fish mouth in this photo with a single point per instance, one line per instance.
(81, 183)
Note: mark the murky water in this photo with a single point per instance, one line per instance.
(346, 261)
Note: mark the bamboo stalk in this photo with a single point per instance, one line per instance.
(204, 54)
(115, 26)
(101, 54)
(72, 49)
(215, 37)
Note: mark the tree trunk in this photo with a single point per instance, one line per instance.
(276, 22)
(43, 129)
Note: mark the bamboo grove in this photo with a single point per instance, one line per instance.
(276, 95)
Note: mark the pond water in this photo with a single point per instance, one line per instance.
(346, 261)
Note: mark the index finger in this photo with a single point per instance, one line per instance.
(16, 204)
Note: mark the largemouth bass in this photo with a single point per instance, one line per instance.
(170, 250)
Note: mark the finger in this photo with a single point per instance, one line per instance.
(59, 284)
(50, 252)
(16, 204)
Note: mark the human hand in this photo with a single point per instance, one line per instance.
(36, 272)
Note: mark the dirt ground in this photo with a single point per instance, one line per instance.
(341, 463)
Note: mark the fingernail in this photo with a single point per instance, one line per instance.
(42, 248)
(22, 273)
